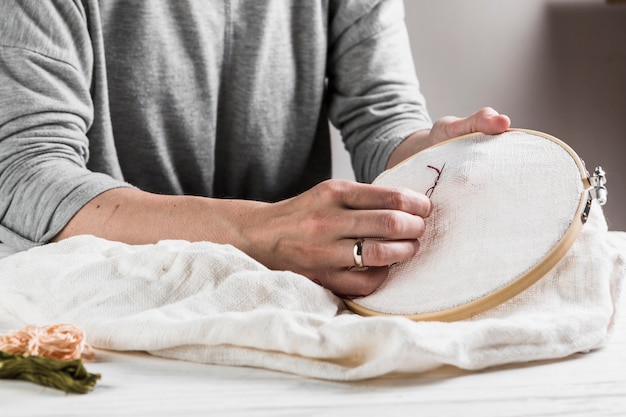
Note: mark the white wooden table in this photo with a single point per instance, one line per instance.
(136, 384)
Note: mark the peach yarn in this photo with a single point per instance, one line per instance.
(64, 342)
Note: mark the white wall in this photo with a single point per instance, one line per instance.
(558, 66)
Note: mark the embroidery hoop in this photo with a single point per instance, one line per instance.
(398, 287)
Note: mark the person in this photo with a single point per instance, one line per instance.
(208, 121)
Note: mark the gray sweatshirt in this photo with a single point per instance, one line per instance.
(221, 98)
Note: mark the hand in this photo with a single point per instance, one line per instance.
(486, 120)
(314, 233)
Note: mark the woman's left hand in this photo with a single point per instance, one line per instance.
(485, 120)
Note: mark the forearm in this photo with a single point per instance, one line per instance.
(137, 217)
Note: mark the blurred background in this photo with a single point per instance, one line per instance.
(558, 66)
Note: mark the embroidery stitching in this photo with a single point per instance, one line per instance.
(439, 171)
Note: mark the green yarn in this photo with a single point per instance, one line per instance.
(68, 376)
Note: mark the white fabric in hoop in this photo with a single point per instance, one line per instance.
(501, 203)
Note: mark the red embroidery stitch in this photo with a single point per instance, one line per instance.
(430, 191)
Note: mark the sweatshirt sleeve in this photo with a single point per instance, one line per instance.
(46, 110)
(374, 95)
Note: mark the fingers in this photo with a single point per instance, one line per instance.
(376, 258)
(348, 284)
(376, 252)
(392, 219)
(386, 224)
(368, 211)
(357, 196)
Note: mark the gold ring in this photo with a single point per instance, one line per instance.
(357, 253)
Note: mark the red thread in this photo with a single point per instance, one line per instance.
(439, 171)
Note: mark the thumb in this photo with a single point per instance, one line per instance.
(485, 120)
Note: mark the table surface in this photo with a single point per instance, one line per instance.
(137, 384)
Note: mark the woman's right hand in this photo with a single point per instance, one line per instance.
(314, 234)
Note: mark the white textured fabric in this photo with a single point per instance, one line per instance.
(501, 203)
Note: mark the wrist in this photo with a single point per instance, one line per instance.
(413, 144)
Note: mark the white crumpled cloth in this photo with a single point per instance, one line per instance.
(211, 303)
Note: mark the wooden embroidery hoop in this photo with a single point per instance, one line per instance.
(593, 187)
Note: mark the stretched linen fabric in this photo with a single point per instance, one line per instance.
(505, 210)
(210, 303)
